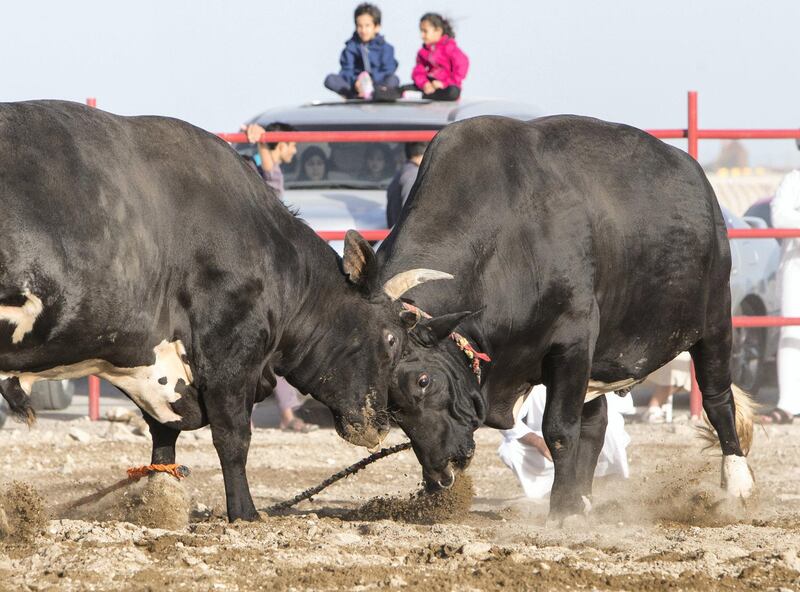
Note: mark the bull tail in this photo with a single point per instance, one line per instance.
(18, 400)
(745, 414)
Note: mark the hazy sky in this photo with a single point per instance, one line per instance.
(217, 64)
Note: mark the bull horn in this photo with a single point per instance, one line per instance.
(404, 281)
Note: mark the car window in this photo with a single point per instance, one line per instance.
(367, 165)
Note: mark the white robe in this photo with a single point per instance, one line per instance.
(785, 209)
(534, 471)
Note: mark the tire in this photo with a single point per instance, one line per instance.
(52, 394)
(747, 354)
(3, 411)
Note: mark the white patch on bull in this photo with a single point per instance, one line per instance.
(140, 382)
(736, 477)
(595, 388)
(23, 317)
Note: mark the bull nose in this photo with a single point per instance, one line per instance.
(448, 480)
(438, 481)
(368, 436)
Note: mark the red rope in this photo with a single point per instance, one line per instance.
(177, 471)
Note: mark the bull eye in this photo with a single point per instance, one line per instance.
(423, 381)
(391, 339)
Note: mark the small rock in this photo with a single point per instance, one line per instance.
(190, 561)
(347, 538)
(472, 549)
(543, 566)
(312, 531)
(516, 557)
(397, 582)
(201, 508)
(139, 427)
(791, 560)
(79, 435)
(119, 414)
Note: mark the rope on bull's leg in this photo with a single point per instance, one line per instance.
(134, 474)
(351, 470)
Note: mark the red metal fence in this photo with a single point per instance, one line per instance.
(692, 133)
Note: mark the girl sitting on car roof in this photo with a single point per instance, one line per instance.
(441, 65)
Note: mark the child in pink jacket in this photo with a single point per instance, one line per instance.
(441, 65)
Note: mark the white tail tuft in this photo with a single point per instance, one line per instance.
(745, 412)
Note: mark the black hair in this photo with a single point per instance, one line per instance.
(277, 126)
(439, 22)
(308, 153)
(415, 149)
(370, 9)
(389, 163)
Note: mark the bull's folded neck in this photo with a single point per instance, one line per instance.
(316, 330)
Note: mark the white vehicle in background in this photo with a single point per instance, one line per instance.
(754, 272)
(352, 192)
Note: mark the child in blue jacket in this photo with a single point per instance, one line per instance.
(367, 61)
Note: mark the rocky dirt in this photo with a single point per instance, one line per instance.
(665, 528)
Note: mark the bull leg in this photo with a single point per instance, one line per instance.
(594, 420)
(230, 431)
(561, 426)
(711, 357)
(164, 438)
(18, 400)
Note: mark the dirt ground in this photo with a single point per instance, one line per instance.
(666, 528)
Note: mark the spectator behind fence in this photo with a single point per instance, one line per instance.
(313, 164)
(668, 379)
(400, 187)
(441, 65)
(378, 163)
(785, 210)
(271, 155)
(367, 60)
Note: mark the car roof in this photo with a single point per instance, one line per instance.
(400, 114)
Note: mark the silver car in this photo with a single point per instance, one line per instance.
(754, 269)
(352, 191)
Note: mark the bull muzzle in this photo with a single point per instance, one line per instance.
(368, 436)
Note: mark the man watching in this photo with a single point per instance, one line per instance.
(400, 186)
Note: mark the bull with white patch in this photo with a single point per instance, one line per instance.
(586, 255)
(146, 251)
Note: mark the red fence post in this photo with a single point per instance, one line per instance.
(695, 397)
(94, 382)
(691, 130)
(94, 398)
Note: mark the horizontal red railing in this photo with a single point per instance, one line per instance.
(352, 136)
(427, 135)
(765, 321)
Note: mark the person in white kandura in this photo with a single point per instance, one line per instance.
(785, 209)
(524, 450)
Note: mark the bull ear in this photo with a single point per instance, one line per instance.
(359, 260)
(409, 319)
(432, 331)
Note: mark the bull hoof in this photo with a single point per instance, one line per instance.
(575, 516)
(737, 479)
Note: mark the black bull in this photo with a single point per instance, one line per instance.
(591, 254)
(146, 251)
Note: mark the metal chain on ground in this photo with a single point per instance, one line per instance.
(351, 470)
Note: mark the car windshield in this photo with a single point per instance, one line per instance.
(343, 165)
